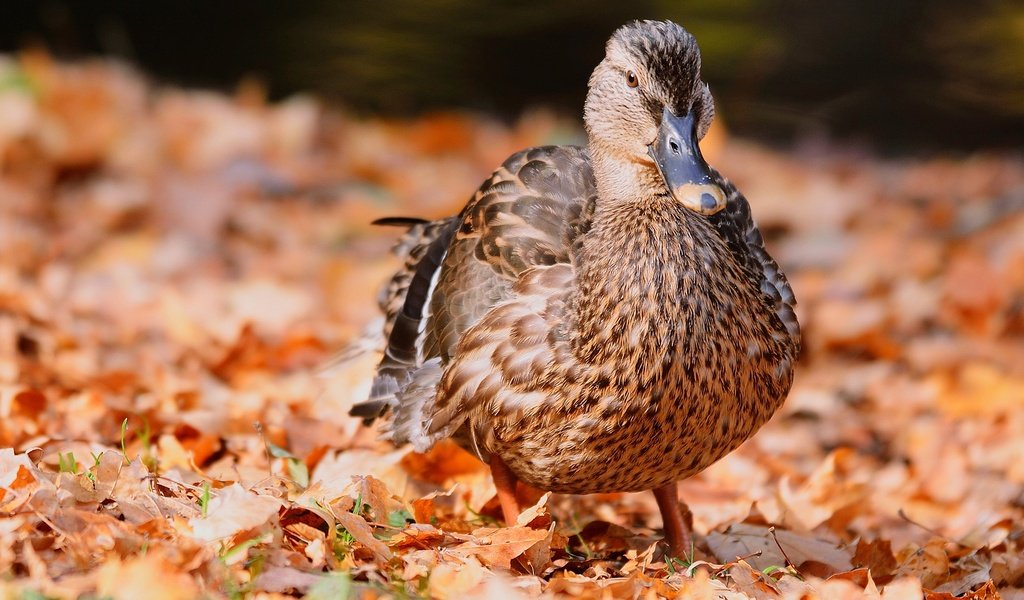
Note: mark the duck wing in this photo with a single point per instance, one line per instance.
(528, 214)
(737, 227)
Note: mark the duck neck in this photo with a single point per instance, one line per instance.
(621, 180)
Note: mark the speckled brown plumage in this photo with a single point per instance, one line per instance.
(584, 322)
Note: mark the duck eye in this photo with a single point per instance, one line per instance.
(631, 79)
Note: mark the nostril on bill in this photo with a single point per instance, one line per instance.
(707, 201)
(674, 146)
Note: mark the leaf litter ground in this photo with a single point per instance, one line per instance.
(176, 268)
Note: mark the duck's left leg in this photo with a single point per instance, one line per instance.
(505, 482)
(676, 533)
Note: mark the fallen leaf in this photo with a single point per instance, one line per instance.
(232, 510)
(751, 582)
(363, 534)
(929, 563)
(756, 545)
(285, 579)
(876, 556)
(498, 547)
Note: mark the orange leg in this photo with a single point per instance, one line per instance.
(505, 482)
(527, 494)
(675, 530)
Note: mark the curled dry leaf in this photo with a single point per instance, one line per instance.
(826, 492)
(498, 547)
(363, 534)
(752, 583)
(17, 480)
(373, 493)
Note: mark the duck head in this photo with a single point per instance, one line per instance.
(646, 110)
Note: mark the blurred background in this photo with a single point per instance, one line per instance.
(906, 76)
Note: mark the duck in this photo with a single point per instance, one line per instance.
(600, 318)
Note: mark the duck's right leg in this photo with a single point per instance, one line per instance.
(676, 533)
(505, 482)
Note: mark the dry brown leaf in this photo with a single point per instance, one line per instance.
(424, 509)
(1007, 568)
(363, 534)
(498, 547)
(540, 508)
(376, 495)
(17, 480)
(335, 471)
(418, 535)
(876, 556)
(838, 589)
(752, 583)
(860, 577)
(987, 591)
(929, 563)
(757, 545)
(827, 491)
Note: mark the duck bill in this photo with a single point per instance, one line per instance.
(685, 172)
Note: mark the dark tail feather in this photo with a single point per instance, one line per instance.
(398, 221)
(368, 410)
(382, 392)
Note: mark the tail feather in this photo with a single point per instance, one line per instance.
(405, 301)
(411, 424)
(399, 221)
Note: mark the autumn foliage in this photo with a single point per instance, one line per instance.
(178, 268)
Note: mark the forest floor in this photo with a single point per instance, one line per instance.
(177, 267)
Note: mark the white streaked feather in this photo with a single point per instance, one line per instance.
(422, 326)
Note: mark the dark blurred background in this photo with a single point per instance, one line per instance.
(903, 75)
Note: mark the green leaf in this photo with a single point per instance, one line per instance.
(124, 451)
(244, 546)
(277, 451)
(399, 518)
(32, 595)
(204, 500)
(17, 80)
(331, 587)
(298, 471)
(66, 463)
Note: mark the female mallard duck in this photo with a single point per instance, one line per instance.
(596, 319)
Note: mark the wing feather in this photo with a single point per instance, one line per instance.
(736, 225)
(528, 214)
